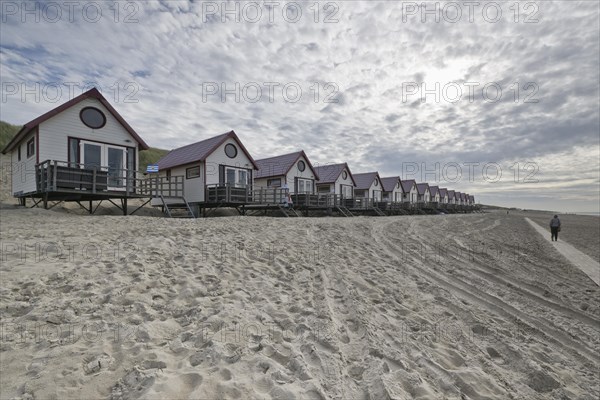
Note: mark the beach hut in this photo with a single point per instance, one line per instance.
(457, 198)
(424, 195)
(392, 189)
(409, 190)
(435, 193)
(81, 150)
(335, 179)
(368, 186)
(293, 170)
(217, 170)
(451, 197)
(443, 194)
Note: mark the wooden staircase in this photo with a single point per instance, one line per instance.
(288, 211)
(378, 211)
(178, 209)
(344, 211)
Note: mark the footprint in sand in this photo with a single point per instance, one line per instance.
(96, 363)
(133, 385)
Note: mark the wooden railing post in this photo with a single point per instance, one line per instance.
(94, 180)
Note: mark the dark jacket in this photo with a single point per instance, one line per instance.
(554, 223)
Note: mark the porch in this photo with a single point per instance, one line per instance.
(61, 181)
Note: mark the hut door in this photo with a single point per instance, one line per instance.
(105, 157)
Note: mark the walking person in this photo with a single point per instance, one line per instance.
(554, 228)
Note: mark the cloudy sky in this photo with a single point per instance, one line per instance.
(498, 99)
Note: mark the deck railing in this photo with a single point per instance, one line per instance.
(62, 176)
(227, 193)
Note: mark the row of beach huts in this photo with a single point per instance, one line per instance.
(84, 151)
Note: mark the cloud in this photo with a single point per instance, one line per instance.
(165, 55)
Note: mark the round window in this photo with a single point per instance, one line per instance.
(398, 185)
(376, 182)
(344, 175)
(301, 166)
(92, 117)
(230, 150)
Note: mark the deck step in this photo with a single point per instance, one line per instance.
(182, 205)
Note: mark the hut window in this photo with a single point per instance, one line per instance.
(168, 175)
(31, 148)
(274, 182)
(73, 152)
(323, 189)
(230, 150)
(344, 175)
(92, 117)
(301, 166)
(192, 172)
(19, 153)
(305, 186)
(376, 182)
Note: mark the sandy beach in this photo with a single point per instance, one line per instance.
(475, 306)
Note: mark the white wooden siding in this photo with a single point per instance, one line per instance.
(294, 172)
(218, 157)
(23, 172)
(55, 131)
(341, 181)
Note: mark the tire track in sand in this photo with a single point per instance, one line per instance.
(485, 300)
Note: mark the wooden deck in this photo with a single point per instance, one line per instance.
(59, 181)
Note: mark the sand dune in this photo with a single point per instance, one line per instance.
(433, 307)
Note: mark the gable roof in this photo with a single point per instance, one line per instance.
(433, 190)
(90, 94)
(331, 172)
(364, 180)
(451, 194)
(407, 185)
(199, 151)
(421, 187)
(443, 192)
(390, 182)
(457, 195)
(281, 165)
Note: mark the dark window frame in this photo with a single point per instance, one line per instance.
(301, 162)
(31, 147)
(187, 172)
(270, 181)
(344, 175)
(19, 153)
(231, 146)
(95, 109)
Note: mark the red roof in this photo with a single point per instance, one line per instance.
(331, 172)
(365, 180)
(389, 183)
(408, 184)
(199, 151)
(422, 187)
(90, 94)
(281, 165)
